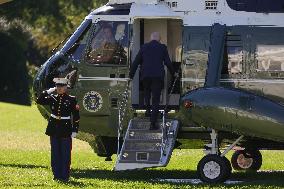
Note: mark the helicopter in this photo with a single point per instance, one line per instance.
(229, 94)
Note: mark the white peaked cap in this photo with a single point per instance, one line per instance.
(61, 81)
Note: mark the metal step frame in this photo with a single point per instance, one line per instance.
(157, 145)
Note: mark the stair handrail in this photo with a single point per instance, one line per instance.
(164, 131)
(122, 105)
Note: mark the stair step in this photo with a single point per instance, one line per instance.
(141, 156)
(142, 147)
(144, 162)
(158, 150)
(139, 145)
(145, 130)
(144, 140)
(144, 123)
(144, 135)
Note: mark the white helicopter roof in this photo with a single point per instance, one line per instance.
(133, 1)
(193, 12)
(148, 11)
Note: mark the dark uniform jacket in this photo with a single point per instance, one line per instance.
(62, 106)
(152, 57)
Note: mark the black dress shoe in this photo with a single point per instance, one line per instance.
(108, 159)
(56, 179)
(61, 179)
(64, 179)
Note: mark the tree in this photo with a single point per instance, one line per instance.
(14, 82)
(29, 30)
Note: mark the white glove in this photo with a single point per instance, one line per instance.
(73, 135)
(51, 90)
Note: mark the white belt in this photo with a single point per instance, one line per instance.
(58, 117)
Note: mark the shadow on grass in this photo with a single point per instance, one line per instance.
(263, 179)
(273, 178)
(30, 166)
(134, 175)
(24, 166)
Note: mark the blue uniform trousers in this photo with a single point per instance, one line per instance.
(61, 157)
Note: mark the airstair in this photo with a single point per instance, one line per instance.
(144, 148)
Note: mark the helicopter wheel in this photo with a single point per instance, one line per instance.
(214, 169)
(246, 160)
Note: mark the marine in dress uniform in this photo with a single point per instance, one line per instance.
(62, 126)
(152, 57)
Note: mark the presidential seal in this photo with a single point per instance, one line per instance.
(92, 101)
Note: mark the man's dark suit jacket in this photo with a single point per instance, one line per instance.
(152, 57)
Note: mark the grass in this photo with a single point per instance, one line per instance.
(25, 161)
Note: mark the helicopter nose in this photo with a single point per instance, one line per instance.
(39, 83)
(56, 66)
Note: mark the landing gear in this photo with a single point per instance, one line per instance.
(215, 167)
(246, 160)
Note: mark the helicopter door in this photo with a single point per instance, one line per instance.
(103, 70)
(142, 29)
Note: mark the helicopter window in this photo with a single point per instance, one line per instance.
(77, 49)
(235, 60)
(61, 68)
(108, 44)
(270, 57)
(233, 56)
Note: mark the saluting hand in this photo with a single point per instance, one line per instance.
(51, 90)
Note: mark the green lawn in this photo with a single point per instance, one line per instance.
(24, 161)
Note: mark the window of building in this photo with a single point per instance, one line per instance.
(108, 44)
(233, 58)
(270, 58)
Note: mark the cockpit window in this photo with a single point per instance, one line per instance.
(61, 67)
(108, 44)
(76, 51)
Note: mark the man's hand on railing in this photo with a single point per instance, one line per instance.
(176, 75)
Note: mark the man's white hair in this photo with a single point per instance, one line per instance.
(155, 36)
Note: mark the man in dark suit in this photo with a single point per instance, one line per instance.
(152, 57)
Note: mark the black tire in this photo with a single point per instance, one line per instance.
(213, 169)
(253, 158)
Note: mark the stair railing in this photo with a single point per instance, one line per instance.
(122, 106)
(164, 125)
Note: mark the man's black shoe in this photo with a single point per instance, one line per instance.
(108, 158)
(56, 179)
(61, 179)
(64, 180)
